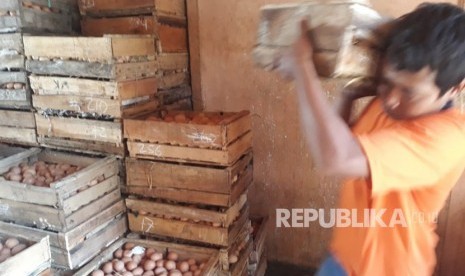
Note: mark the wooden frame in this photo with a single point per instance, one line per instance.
(114, 99)
(18, 127)
(184, 252)
(189, 183)
(31, 261)
(165, 10)
(199, 233)
(75, 247)
(168, 38)
(10, 153)
(60, 207)
(37, 16)
(15, 98)
(259, 240)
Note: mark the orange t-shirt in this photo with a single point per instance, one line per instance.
(413, 166)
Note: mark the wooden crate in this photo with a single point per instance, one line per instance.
(258, 269)
(18, 127)
(60, 207)
(83, 135)
(240, 248)
(72, 249)
(18, 97)
(260, 226)
(31, 261)
(98, 98)
(118, 58)
(36, 16)
(221, 143)
(342, 33)
(169, 220)
(173, 95)
(168, 38)
(164, 10)
(210, 256)
(11, 51)
(168, 80)
(189, 183)
(241, 267)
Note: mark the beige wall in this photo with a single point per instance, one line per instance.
(222, 35)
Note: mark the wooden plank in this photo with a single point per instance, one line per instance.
(188, 231)
(124, 90)
(19, 119)
(118, 25)
(71, 68)
(173, 61)
(171, 39)
(84, 146)
(262, 266)
(134, 70)
(125, 46)
(30, 261)
(15, 157)
(87, 196)
(91, 209)
(141, 108)
(188, 212)
(209, 256)
(44, 85)
(79, 129)
(12, 51)
(24, 136)
(161, 8)
(194, 53)
(22, 192)
(31, 215)
(91, 104)
(193, 155)
(173, 95)
(173, 79)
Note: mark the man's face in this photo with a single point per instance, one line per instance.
(408, 95)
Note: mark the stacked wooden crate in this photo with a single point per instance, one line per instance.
(73, 199)
(257, 260)
(165, 21)
(187, 180)
(84, 86)
(18, 17)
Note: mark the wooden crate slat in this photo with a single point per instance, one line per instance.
(72, 204)
(12, 156)
(188, 231)
(117, 72)
(173, 61)
(19, 119)
(24, 136)
(193, 155)
(27, 193)
(184, 251)
(83, 146)
(86, 212)
(44, 85)
(137, 88)
(172, 79)
(12, 51)
(79, 129)
(161, 8)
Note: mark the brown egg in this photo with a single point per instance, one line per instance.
(15, 170)
(11, 242)
(156, 256)
(232, 259)
(127, 253)
(175, 272)
(126, 259)
(129, 246)
(160, 270)
(138, 271)
(149, 251)
(127, 273)
(183, 266)
(16, 178)
(149, 265)
(118, 265)
(107, 267)
(137, 258)
(131, 265)
(173, 256)
(193, 268)
(149, 273)
(191, 262)
(20, 247)
(160, 263)
(170, 265)
(98, 273)
(189, 273)
(197, 272)
(118, 253)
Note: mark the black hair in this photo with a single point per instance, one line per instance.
(432, 35)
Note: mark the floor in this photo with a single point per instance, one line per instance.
(278, 269)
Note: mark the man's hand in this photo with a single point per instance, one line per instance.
(289, 62)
